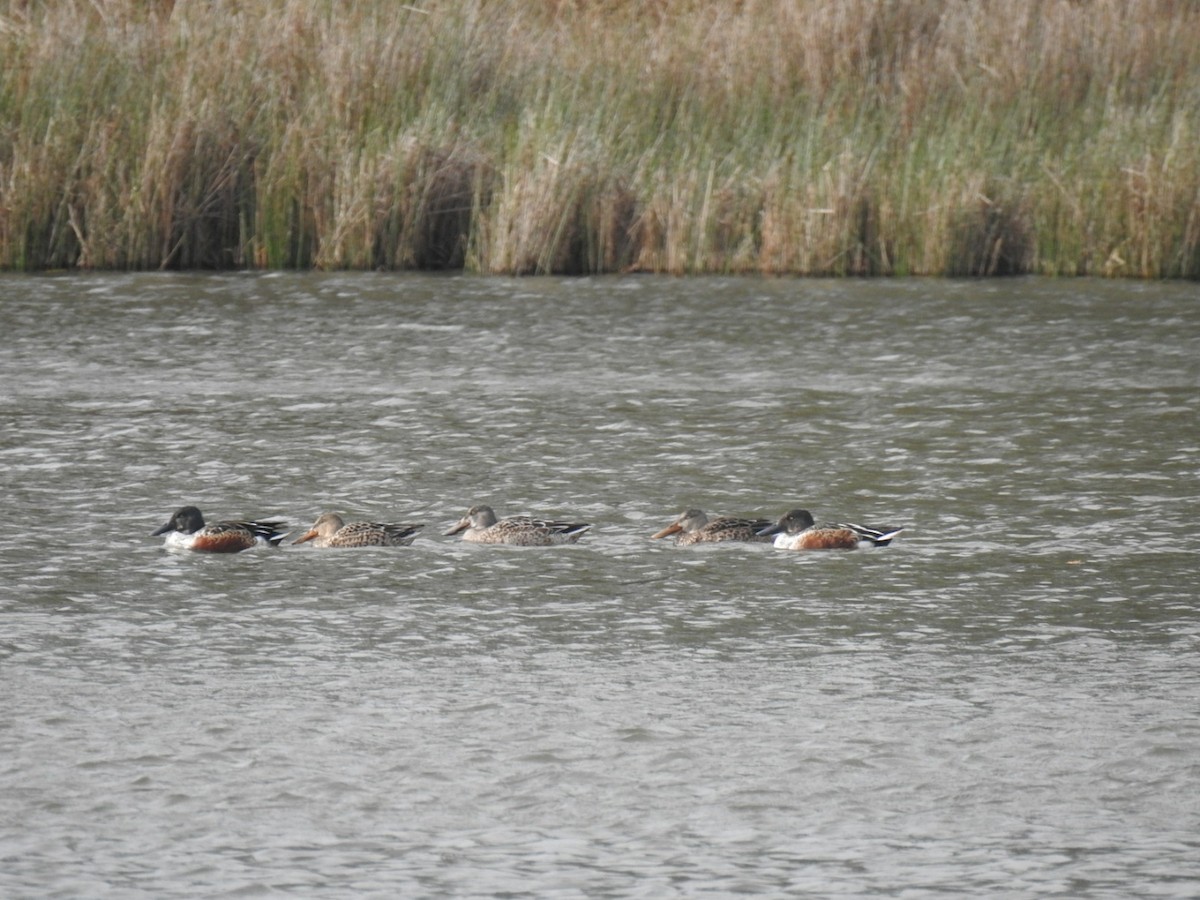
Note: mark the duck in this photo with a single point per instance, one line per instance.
(694, 527)
(186, 530)
(481, 526)
(797, 530)
(330, 530)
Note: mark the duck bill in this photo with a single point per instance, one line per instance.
(463, 525)
(673, 528)
(307, 536)
(170, 526)
(771, 529)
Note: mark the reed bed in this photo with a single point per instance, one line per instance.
(816, 137)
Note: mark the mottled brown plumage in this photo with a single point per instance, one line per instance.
(480, 526)
(694, 527)
(330, 531)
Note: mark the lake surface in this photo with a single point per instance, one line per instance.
(1005, 702)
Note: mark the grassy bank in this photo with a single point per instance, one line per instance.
(855, 137)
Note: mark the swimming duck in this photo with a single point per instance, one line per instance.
(694, 527)
(331, 531)
(797, 530)
(481, 526)
(186, 530)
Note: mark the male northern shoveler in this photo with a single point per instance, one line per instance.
(331, 531)
(186, 531)
(481, 526)
(796, 530)
(694, 527)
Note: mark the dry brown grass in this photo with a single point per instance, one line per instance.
(857, 137)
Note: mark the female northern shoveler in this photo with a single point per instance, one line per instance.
(796, 530)
(694, 527)
(331, 531)
(481, 526)
(186, 531)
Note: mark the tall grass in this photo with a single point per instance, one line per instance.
(843, 137)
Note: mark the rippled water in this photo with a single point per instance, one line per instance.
(1004, 702)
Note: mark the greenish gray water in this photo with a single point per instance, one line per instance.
(1004, 702)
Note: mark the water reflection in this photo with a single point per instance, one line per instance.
(999, 702)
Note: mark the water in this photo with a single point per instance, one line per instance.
(1002, 703)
